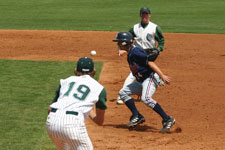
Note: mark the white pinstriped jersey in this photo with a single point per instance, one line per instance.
(73, 102)
(145, 37)
(78, 93)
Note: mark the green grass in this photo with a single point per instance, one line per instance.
(204, 16)
(27, 88)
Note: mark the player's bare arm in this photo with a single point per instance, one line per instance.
(165, 78)
(92, 114)
(97, 113)
(98, 116)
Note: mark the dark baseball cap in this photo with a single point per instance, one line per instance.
(145, 10)
(85, 65)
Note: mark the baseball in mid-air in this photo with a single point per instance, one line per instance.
(93, 52)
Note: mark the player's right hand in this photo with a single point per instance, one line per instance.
(166, 79)
(122, 52)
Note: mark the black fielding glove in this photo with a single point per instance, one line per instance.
(152, 53)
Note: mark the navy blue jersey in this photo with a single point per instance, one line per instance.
(138, 62)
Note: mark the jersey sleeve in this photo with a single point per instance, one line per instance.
(132, 32)
(57, 94)
(159, 37)
(101, 104)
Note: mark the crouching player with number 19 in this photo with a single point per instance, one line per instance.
(74, 102)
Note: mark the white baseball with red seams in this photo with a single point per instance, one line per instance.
(93, 52)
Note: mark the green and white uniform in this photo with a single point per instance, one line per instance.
(146, 36)
(75, 98)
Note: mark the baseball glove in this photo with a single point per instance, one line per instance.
(152, 53)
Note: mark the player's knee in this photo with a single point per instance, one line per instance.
(145, 98)
(149, 102)
(123, 95)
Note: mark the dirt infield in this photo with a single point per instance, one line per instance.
(196, 96)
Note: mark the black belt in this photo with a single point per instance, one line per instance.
(67, 112)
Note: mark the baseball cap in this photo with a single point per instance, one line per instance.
(85, 65)
(145, 10)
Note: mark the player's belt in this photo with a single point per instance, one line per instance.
(53, 110)
(67, 112)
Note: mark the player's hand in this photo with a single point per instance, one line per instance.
(166, 79)
(92, 114)
(122, 52)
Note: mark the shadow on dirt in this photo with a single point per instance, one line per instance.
(144, 128)
(139, 128)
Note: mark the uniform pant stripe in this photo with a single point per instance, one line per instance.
(149, 87)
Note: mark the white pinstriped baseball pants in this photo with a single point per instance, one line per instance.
(68, 131)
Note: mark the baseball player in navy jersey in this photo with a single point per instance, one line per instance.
(148, 76)
(74, 102)
(148, 36)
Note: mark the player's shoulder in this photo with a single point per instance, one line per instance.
(68, 78)
(137, 25)
(64, 79)
(85, 79)
(76, 78)
(138, 51)
(91, 80)
(136, 48)
(152, 24)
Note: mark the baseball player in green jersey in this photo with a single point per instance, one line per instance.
(74, 102)
(149, 37)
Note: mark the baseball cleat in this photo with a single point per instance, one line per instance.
(119, 101)
(167, 124)
(135, 120)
